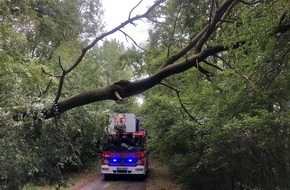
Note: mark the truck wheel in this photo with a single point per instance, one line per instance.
(147, 172)
(141, 177)
(107, 177)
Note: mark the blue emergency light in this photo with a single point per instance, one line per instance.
(114, 160)
(129, 161)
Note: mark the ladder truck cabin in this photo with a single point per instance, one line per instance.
(124, 149)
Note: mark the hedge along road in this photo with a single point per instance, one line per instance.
(157, 179)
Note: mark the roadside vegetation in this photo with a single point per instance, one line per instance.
(70, 178)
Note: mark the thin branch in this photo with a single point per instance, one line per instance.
(202, 70)
(170, 84)
(126, 35)
(155, 21)
(173, 58)
(238, 72)
(41, 93)
(173, 29)
(282, 16)
(48, 74)
(60, 65)
(134, 8)
(251, 3)
(213, 65)
(40, 90)
(210, 14)
(180, 102)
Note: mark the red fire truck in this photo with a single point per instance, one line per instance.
(124, 149)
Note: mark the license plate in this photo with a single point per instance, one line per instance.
(121, 169)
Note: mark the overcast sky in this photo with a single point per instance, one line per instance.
(117, 11)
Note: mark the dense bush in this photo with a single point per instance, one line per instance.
(41, 151)
(251, 152)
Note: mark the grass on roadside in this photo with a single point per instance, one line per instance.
(159, 178)
(70, 178)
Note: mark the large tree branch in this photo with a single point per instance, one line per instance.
(122, 89)
(127, 88)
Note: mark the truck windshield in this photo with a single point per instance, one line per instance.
(121, 142)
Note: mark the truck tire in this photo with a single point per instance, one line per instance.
(141, 177)
(107, 177)
(147, 172)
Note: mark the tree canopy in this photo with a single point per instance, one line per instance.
(220, 31)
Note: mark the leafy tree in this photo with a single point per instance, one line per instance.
(36, 37)
(231, 129)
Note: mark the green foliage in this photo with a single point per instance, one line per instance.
(43, 150)
(34, 34)
(134, 60)
(239, 143)
(232, 131)
(38, 39)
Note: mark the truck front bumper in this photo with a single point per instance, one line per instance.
(139, 170)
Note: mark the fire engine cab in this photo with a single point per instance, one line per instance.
(124, 149)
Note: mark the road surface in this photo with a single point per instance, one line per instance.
(96, 181)
(158, 179)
